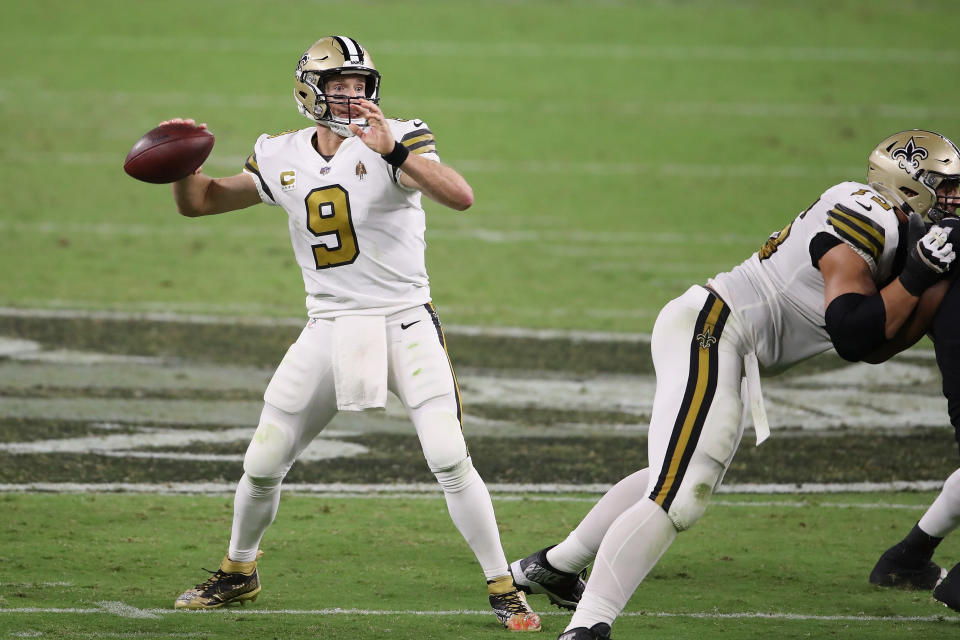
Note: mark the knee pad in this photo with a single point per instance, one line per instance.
(441, 438)
(699, 482)
(458, 477)
(270, 454)
(258, 488)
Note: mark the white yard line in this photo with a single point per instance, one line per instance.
(500, 491)
(512, 50)
(502, 332)
(123, 610)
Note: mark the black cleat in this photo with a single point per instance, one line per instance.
(534, 574)
(947, 590)
(892, 570)
(599, 631)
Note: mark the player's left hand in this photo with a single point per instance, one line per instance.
(377, 135)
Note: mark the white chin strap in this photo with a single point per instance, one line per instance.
(342, 129)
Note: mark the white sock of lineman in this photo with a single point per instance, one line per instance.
(580, 548)
(254, 508)
(631, 548)
(943, 516)
(471, 510)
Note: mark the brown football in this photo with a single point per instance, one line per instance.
(168, 153)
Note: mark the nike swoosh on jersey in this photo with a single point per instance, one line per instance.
(408, 325)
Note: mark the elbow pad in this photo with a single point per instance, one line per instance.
(856, 324)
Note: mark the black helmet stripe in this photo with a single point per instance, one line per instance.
(352, 50)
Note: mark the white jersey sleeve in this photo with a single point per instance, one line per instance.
(778, 292)
(417, 138)
(252, 168)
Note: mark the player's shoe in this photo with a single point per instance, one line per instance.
(894, 570)
(599, 631)
(534, 574)
(231, 582)
(510, 606)
(947, 590)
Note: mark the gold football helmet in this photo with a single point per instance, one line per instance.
(908, 167)
(327, 57)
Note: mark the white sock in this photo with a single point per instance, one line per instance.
(631, 548)
(254, 508)
(580, 548)
(471, 510)
(943, 516)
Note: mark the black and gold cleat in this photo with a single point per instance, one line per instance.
(232, 582)
(510, 606)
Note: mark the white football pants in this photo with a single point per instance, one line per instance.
(695, 429)
(301, 401)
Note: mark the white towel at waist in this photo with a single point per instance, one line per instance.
(751, 371)
(360, 362)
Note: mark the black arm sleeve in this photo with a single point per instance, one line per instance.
(946, 339)
(856, 324)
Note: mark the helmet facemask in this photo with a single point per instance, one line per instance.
(327, 58)
(946, 204)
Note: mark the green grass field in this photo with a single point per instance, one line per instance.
(619, 151)
(397, 569)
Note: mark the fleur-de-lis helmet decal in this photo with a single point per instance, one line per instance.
(908, 167)
(910, 155)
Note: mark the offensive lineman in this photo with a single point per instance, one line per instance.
(839, 275)
(351, 186)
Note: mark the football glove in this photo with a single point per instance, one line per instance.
(931, 253)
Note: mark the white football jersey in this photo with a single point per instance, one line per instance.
(357, 233)
(778, 292)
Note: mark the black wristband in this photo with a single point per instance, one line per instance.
(916, 281)
(397, 156)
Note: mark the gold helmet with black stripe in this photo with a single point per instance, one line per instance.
(327, 57)
(908, 167)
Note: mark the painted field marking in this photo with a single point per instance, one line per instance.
(123, 610)
(504, 492)
(513, 50)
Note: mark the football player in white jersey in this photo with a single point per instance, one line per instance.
(846, 273)
(351, 186)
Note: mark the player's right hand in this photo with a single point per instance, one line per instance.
(931, 253)
(190, 121)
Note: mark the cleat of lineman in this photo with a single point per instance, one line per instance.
(599, 631)
(510, 606)
(892, 571)
(534, 574)
(947, 590)
(231, 582)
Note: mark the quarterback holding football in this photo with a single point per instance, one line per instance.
(351, 185)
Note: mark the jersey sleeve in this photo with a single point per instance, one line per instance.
(854, 218)
(416, 136)
(252, 167)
